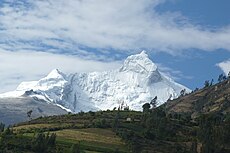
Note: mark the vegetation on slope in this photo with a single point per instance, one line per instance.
(195, 123)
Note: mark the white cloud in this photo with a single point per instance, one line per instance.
(225, 66)
(97, 26)
(16, 67)
(172, 73)
(102, 24)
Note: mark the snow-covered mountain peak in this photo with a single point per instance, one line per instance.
(139, 63)
(135, 83)
(55, 79)
(55, 74)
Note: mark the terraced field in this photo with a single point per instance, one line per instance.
(92, 139)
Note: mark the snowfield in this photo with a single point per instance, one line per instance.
(135, 83)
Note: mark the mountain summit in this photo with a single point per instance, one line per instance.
(139, 63)
(135, 83)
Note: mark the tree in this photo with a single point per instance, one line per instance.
(126, 108)
(75, 148)
(154, 102)
(194, 147)
(182, 92)
(2, 126)
(196, 89)
(146, 107)
(51, 140)
(221, 78)
(115, 123)
(43, 142)
(170, 97)
(8, 131)
(92, 113)
(39, 143)
(211, 82)
(206, 84)
(212, 133)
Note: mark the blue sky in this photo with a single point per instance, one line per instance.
(189, 40)
(212, 13)
(198, 64)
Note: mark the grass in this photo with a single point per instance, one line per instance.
(46, 127)
(90, 139)
(100, 139)
(89, 146)
(93, 135)
(36, 126)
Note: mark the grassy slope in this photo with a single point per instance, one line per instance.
(81, 129)
(70, 130)
(73, 129)
(211, 99)
(90, 139)
(93, 132)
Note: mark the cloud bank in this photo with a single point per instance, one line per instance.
(225, 66)
(122, 25)
(16, 67)
(37, 36)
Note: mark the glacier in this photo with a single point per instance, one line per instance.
(136, 82)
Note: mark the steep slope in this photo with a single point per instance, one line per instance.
(212, 99)
(135, 83)
(14, 110)
(152, 131)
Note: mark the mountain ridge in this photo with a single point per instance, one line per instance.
(212, 99)
(134, 84)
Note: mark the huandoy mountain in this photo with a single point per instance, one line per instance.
(193, 123)
(135, 83)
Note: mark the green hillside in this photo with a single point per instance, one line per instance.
(195, 123)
